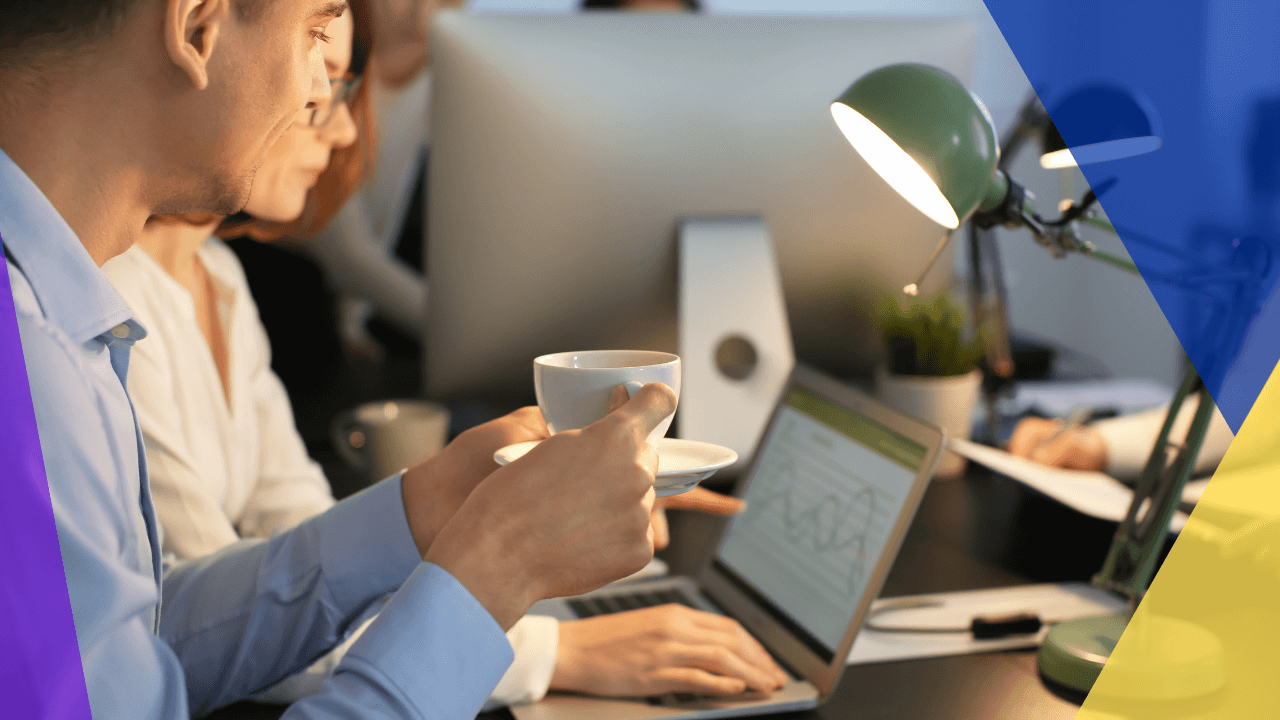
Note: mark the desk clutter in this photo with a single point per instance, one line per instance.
(938, 625)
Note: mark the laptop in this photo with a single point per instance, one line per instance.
(830, 493)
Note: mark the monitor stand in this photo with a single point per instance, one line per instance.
(734, 337)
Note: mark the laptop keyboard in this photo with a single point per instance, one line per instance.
(604, 605)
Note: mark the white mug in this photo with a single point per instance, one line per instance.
(382, 438)
(573, 387)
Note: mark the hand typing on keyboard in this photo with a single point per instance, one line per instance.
(665, 649)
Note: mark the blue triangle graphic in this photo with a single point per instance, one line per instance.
(1200, 216)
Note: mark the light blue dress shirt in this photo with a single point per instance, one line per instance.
(236, 622)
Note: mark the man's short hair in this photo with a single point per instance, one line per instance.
(49, 24)
(59, 23)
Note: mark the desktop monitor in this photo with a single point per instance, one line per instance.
(565, 150)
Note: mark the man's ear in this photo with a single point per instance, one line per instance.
(190, 32)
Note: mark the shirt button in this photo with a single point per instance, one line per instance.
(120, 331)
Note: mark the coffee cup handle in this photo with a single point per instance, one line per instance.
(343, 429)
(633, 387)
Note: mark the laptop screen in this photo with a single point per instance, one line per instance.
(827, 490)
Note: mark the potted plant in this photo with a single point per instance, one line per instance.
(931, 370)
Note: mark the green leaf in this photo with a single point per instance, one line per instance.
(926, 336)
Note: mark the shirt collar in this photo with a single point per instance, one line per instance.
(72, 290)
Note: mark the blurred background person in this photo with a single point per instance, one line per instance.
(358, 247)
(372, 251)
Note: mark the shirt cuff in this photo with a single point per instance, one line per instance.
(1127, 451)
(535, 640)
(366, 548)
(438, 649)
(311, 681)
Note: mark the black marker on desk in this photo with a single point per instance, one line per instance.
(982, 627)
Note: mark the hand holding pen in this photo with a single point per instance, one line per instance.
(1067, 443)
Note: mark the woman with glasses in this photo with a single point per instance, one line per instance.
(359, 249)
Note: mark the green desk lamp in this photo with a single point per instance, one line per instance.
(933, 142)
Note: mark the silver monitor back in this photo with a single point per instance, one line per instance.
(566, 148)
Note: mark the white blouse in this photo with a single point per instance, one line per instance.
(1129, 439)
(222, 466)
(221, 470)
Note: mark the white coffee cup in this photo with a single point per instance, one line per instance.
(574, 387)
(382, 438)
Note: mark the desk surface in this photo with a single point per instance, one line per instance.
(978, 531)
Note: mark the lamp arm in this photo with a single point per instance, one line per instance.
(1060, 240)
(1061, 236)
(1191, 281)
(987, 294)
(1032, 119)
(1100, 223)
(1137, 543)
(1111, 259)
(1079, 209)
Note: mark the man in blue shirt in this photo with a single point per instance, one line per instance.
(114, 110)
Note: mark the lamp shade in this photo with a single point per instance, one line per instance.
(1105, 122)
(927, 136)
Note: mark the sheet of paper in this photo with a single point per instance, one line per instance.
(1092, 493)
(1057, 397)
(1051, 602)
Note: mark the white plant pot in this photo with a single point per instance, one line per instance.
(947, 402)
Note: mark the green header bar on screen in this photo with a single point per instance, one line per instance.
(906, 453)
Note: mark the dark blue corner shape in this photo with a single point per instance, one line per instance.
(40, 671)
(1201, 215)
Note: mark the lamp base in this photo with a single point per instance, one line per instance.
(1171, 659)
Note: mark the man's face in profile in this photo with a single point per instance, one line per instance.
(266, 67)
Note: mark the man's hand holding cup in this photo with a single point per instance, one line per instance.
(569, 517)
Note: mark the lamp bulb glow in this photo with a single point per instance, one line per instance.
(1057, 159)
(893, 164)
(911, 290)
(1100, 152)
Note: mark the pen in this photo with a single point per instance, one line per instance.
(1078, 415)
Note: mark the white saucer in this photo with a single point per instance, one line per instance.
(682, 464)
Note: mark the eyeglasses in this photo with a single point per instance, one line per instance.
(340, 91)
